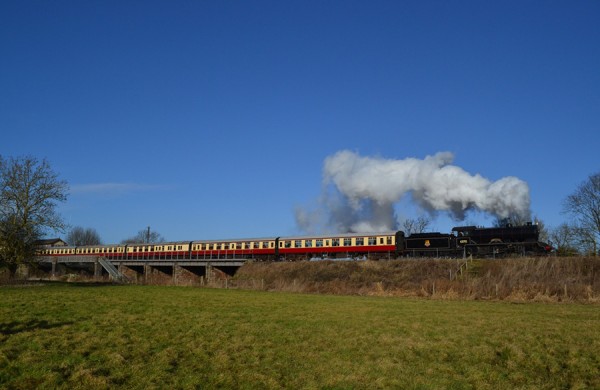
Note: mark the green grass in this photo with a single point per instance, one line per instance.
(76, 336)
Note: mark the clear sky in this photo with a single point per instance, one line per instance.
(213, 119)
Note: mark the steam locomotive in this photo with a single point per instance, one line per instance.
(476, 241)
(462, 241)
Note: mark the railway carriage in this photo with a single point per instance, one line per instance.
(350, 246)
(164, 251)
(228, 248)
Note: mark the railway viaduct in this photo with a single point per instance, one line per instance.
(147, 270)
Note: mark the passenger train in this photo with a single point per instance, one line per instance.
(462, 241)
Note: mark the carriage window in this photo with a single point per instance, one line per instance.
(389, 240)
(319, 243)
(347, 241)
(308, 243)
(335, 242)
(255, 245)
(360, 241)
(381, 240)
(298, 244)
(372, 241)
(288, 244)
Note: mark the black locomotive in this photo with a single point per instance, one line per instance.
(476, 241)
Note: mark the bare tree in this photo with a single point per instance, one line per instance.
(564, 239)
(144, 236)
(416, 225)
(29, 196)
(586, 241)
(584, 206)
(83, 236)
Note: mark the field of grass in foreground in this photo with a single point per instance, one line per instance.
(77, 336)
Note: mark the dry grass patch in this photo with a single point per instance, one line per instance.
(520, 279)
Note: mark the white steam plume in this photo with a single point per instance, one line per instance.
(360, 192)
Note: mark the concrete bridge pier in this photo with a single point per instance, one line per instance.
(208, 272)
(147, 272)
(53, 272)
(97, 270)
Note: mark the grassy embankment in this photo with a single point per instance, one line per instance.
(77, 336)
(544, 279)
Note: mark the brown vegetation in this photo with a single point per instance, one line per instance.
(518, 279)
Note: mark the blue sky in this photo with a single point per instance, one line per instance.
(213, 119)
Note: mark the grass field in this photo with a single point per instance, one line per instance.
(93, 336)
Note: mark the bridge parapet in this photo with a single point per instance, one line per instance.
(231, 262)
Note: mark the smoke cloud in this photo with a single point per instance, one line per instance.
(359, 193)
